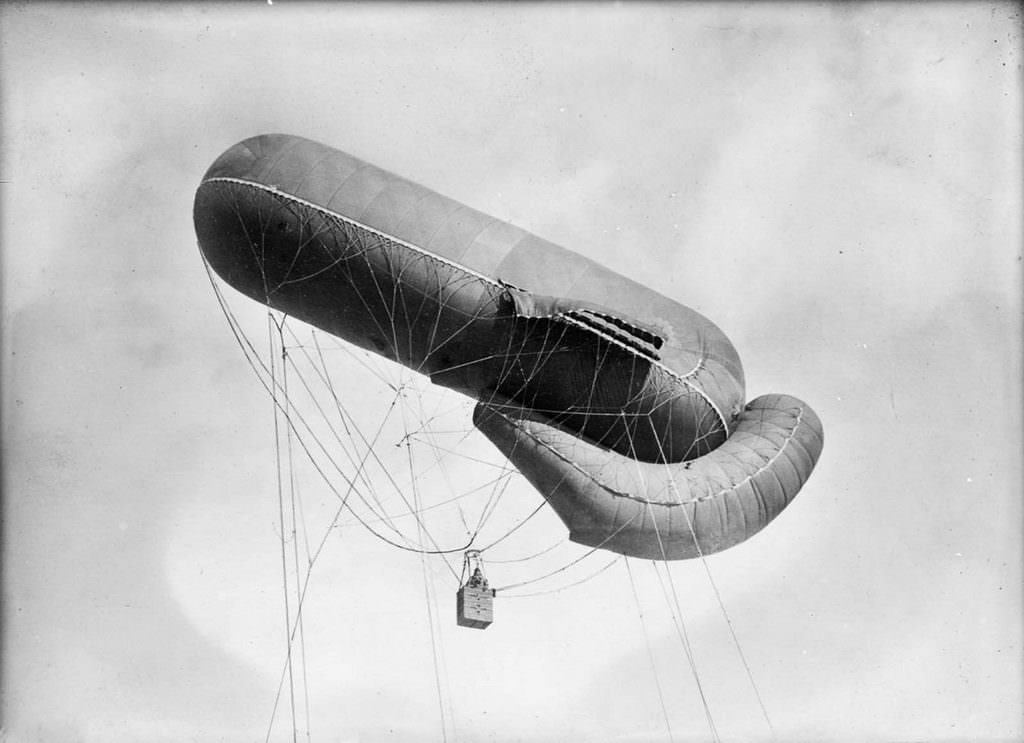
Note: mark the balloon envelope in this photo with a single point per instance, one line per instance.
(623, 407)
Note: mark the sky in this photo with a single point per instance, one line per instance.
(837, 186)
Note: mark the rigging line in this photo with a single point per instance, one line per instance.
(309, 573)
(347, 267)
(499, 484)
(249, 241)
(567, 586)
(466, 434)
(359, 518)
(334, 521)
(280, 214)
(365, 523)
(602, 358)
(434, 607)
(286, 670)
(650, 653)
(450, 410)
(424, 422)
(243, 342)
(313, 559)
(344, 416)
(559, 543)
(335, 258)
(305, 529)
(284, 552)
(714, 586)
(359, 473)
(677, 615)
(500, 487)
(549, 331)
(385, 518)
(339, 345)
(405, 264)
(398, 489)
(442, 504)
(565, 567)
(386, 259)
(508, 361)
(315, 231)
(326, 377)
(250, 354)
(560, 414)
(456, 289)
(530, 516)
(292, 492)
(441, 303)
(301, 509)
(252, 357)
(511, 531)
(743, 658)
(636, 460)
(343, 444)
(499, 492)
(429, 603)
(455, 452)
(416, 512)
(725, 615)
(471, 362)
(424, 301)
(384, 539)
(482, 307)
(397, 268)
(260, 187)
(556, 333)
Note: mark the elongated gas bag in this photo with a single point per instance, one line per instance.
(622, 407)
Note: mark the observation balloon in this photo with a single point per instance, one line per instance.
(623, 408)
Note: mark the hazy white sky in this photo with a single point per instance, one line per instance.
(838, 187)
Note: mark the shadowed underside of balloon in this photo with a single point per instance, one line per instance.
(622, 407)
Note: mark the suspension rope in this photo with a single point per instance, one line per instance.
(718, 597)
(284, 552)
(429, 602)
(565, 567)
(271, 386)
(293, 496)
(650, 653)
(544, 551)
(677, 615)
(567, 586)
(382, 515)
(675, 607)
